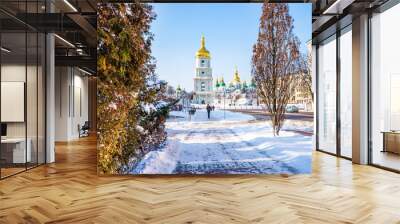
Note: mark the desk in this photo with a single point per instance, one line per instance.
(13, 150)
(391, 141)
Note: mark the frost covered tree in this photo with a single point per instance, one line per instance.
(130, 114)
(275, 61)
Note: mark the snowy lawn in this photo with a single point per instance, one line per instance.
(235, 145)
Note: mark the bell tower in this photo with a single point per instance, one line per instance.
(203, 80)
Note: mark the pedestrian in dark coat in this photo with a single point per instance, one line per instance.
(208, 110)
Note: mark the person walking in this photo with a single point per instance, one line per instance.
(208, 111)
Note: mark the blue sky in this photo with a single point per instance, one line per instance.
(230, 31)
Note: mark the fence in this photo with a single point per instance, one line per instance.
(244, 107)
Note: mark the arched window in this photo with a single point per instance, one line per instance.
(202, 86)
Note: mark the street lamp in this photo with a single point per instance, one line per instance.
(224, 102)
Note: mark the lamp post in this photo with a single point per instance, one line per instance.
(224, 102)
(190, 109)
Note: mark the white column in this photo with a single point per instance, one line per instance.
(314, 89)
(50, 98)
(360, 90)
(63, 98)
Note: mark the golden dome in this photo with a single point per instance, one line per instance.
(203, 52)
(236, 77)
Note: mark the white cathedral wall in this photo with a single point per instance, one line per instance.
(206, 63)
(208, 84)
(203, 75)
(207, 72)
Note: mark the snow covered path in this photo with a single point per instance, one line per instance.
(236, 145)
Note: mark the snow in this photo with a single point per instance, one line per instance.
(148, 107)
(294, 125)
(162, 161)
(237, 144)
(140, 129)
(201, 116)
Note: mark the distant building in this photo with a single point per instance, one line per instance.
(301, 96)
(236, 93)
(203, 81)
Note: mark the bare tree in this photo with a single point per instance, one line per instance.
(275, 61)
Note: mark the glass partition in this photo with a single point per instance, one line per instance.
(14, 155)
(346, 92)
(22, 88)
(32, 98)
(327, 95)
(385, 89)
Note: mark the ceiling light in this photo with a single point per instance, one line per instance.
(65, 41)
(70, 5)
(337, 7)
(79, 51)
(5, 50)
(84, 71)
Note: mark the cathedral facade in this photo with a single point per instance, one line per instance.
(203, 80)
(205, 92)
(236, 92)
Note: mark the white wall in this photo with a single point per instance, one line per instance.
(9, 73)
(14, 73)
(80, 112)
(13, 101)
(33, 126)
(62, 82)
(71, 102)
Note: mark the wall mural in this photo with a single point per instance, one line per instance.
(204, 88)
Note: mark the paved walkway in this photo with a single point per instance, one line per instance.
(213, 149)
